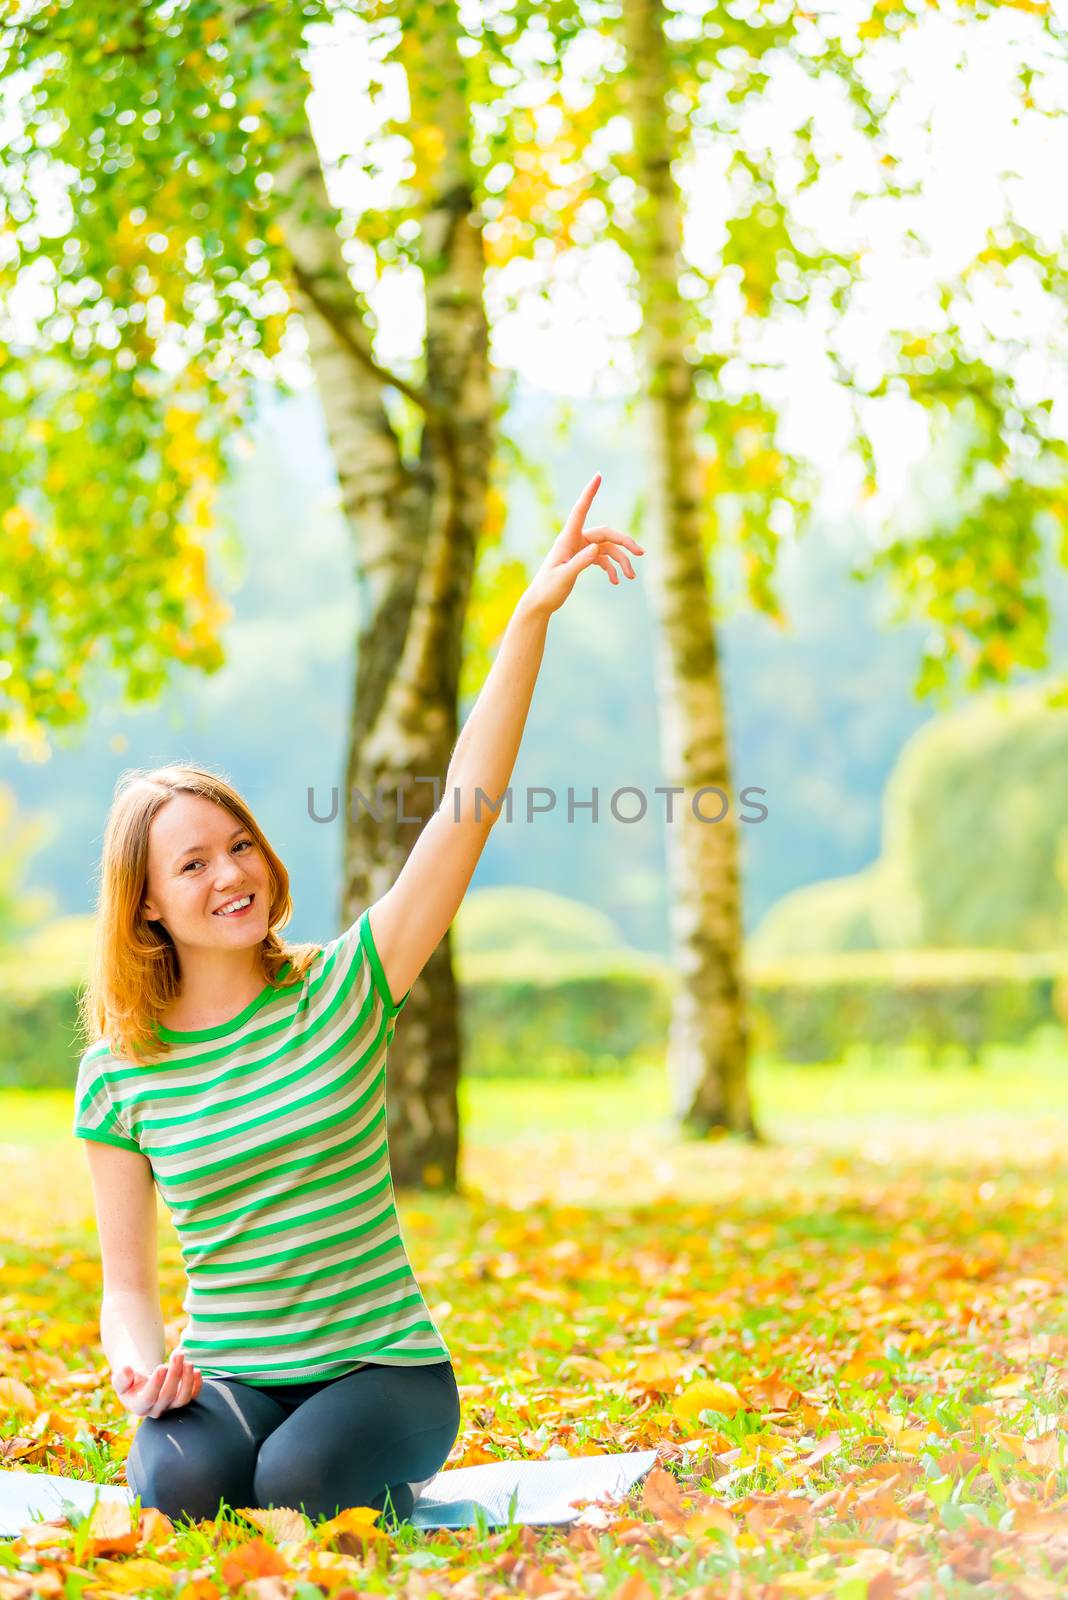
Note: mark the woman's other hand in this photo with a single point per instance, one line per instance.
(168, 1386)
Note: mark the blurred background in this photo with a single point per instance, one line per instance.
(847, 303)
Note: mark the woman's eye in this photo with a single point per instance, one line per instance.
(237, 846)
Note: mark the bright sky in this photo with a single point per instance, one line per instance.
(952, 124)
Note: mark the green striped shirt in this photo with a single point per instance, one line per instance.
(267, 1142)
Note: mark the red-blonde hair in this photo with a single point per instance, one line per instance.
(134, 973)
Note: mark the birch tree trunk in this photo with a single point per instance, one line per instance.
(414, 527)
(707, 1047)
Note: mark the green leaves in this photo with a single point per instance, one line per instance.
(146, 292)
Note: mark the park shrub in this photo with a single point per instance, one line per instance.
(514, 917)
(563, 1014)
(38, 1029)
(582, 1013)
(817, 1008)
(975, 844)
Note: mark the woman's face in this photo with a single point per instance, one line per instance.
(199, 860)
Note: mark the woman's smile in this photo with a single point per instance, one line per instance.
(241, 908)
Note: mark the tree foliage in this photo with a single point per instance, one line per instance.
(759, 97)
(145, 292)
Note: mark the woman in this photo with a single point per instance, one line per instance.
(245, 1079)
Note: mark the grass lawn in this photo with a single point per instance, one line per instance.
(848, 1344)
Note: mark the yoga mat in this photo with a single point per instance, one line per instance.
(543, 1490)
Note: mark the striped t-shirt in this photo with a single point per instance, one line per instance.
(267, 1141)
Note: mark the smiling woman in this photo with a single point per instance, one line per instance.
(245, 1080)
(310, 1370)
(227, 880)
(180, 843)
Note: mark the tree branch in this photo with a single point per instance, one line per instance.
(342, 331)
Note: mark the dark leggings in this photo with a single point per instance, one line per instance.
(319, 1447)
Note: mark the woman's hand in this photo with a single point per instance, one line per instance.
(173, 1384)
(575, 549)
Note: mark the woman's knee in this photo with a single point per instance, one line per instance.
(287, 1475)
(177, 1484)
(186, 1470)
(320, 1486)
(378, 1430)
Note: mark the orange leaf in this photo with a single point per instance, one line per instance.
(662, 1495)
(772, 1393)
(634, 1588)
(112, 1530)
(255, 1559)
(16, 1396)
(1047, 1450)
(825, 1447)
(153, 1527)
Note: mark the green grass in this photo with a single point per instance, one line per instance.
(888, 1270)
(792, 1102)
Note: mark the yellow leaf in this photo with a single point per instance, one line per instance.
(707, 1394)
(133, 1576)
(18, 523)
(711, 1518)
(111, 1529)
(280, 1522)
(429, 143)
(16, 1396)
(661, 1369)
(801, 1583)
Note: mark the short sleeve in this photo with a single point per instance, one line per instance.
(95, 1115)
(378, 977)
(354, 977)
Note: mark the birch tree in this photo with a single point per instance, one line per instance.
(688, 77)
(165, 212)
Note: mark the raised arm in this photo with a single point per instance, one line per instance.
(411, 918)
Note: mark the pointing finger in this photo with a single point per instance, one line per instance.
(573, 525)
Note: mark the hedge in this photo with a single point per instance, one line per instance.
(815, 1008)
(596, 1012)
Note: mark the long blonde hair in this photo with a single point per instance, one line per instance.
(134, 972)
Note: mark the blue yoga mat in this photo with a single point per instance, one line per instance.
(542, 1492)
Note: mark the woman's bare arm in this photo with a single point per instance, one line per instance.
(410, 920)
(131, 1320)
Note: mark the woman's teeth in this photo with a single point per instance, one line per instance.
(231, 910)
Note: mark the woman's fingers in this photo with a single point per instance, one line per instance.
(169, 1386)
(573, 525)
(608, 542)
(187, 1389)
(605, 550)
(621, 556)
(149, 1396)
(602, 533)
